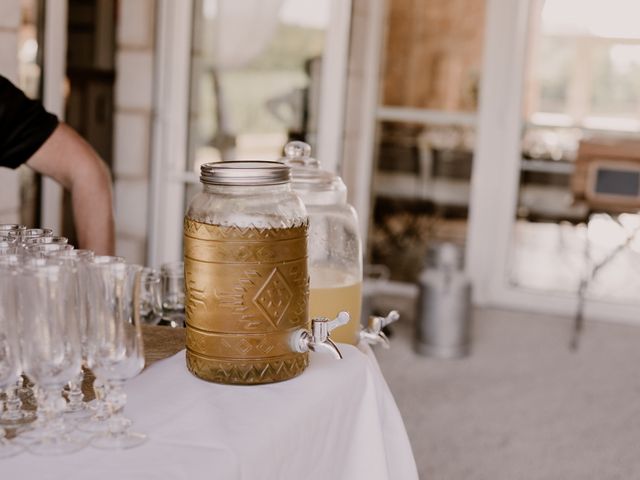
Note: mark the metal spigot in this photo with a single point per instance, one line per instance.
(373, 333)
(318, 339)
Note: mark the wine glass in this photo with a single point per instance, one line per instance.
(8, 227)
(14, 415)
(78, 261)
(51, 353)
(7, 247)
(23, 234)
(99, 420)
(115, 349)
(9, 346)
(43, 249)
(50, 239)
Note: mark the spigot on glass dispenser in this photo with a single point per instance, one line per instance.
(373, 334)
(318, 339)
(334, 246)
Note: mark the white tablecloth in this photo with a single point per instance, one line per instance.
(337, 420)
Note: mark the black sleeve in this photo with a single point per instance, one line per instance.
(24, 125)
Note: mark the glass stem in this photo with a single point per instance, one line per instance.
(117, 399)
(101, 408)
(13, 404)
(51, 405)
(75, 395)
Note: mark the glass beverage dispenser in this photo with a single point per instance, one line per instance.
(335, 252)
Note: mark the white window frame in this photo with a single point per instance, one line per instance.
(496, 170)
(578, 110)
(54, 74)
(170, 124)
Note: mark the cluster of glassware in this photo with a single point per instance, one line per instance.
(162, 295)
(62, 310)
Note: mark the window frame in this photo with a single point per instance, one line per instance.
(496, 173)
(169, 174)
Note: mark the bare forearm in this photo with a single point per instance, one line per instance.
(71, 161)
(93, 213)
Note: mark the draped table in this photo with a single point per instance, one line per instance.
(337, 420)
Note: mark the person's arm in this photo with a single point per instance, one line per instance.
(71, 161)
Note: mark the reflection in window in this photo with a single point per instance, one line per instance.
(585, 69)
(255, 77)
(433, 55)
(578, 194)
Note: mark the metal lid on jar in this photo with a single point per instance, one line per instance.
(245, 173)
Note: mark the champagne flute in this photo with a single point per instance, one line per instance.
(49, 239)
(99, 422)
(51, 353)
(9, 346)
(78, 261)
(115, 348)
(41, 250)
(14, 415)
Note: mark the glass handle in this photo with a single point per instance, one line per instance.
(137, 292)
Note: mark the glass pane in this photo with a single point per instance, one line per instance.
(256, 72)
(616, 80)
(433, 57)
(579, 191)
(433, 54)
(552, 69)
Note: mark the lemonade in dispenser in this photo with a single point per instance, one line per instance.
(334, 247)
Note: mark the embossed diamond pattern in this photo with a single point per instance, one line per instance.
(274, 297)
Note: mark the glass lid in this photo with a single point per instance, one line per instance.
(305, 170)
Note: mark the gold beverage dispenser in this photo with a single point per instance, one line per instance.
(246, 277)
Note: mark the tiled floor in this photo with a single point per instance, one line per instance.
(522, 406)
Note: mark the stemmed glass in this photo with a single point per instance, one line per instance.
(21, 235)
(8, 227)
(99, 422)
(78, 260)
(50, 239)
(51, 349)
(115, 349)
(14, 415)
(9, 346)
(8, 244)
(44, 249)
